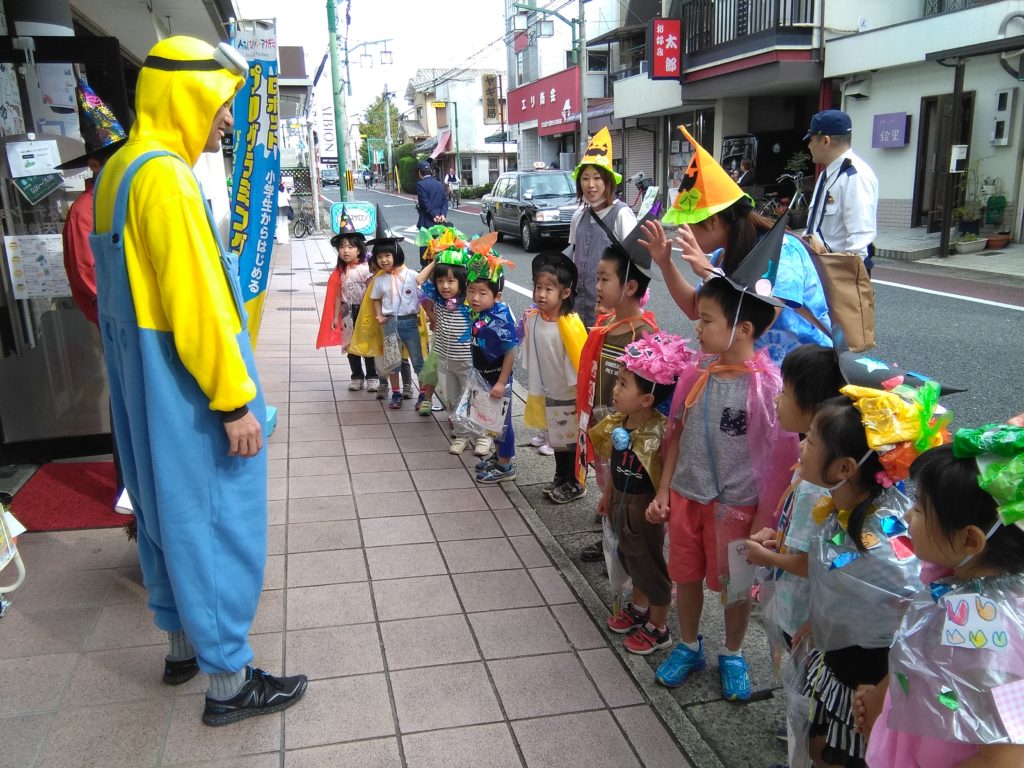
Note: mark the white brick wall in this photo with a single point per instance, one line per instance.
(894, 213)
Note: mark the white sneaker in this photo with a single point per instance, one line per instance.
(356, 384)
(373, 385)
(459, 444)
(545, 450)
(483, 446)
(123, 505)
(541, 438)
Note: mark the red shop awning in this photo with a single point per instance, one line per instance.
(444, 143)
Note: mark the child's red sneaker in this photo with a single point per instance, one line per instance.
(627, 619)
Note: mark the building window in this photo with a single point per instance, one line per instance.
(512, 162)
(419, 113)
(467, 170)
(492, 168)
(519, 68)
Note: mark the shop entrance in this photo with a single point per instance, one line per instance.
(936, 134)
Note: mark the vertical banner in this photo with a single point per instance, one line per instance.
(257, 165)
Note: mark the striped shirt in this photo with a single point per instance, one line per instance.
(450, 325)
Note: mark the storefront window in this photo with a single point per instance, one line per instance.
(492, 168)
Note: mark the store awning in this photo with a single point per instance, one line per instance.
(443, 144)
(618, 34)
(499, 137)
(426, 145)
(413, 128)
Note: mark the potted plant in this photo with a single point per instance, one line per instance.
(968, 215)
(968, 218)
(997, 241)
(970, 243)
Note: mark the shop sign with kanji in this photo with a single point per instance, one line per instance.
(664, 49)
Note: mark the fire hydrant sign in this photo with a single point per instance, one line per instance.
(664, 46)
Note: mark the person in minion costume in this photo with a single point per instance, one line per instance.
(186, 399)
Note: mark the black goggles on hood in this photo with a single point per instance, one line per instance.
(224, 57)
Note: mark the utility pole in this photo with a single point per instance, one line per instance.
(339, 101)
(458, 157)
(581, 40)
(387, 128)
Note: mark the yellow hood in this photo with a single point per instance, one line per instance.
(175, 109)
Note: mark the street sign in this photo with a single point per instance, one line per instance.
(439, 104)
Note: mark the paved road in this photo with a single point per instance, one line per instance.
(953, 326)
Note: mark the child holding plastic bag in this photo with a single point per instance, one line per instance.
(629, 442)
(956, 668)
(553, 336)
(492, 333)
(727, 465)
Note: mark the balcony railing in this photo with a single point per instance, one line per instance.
(935, 7)
(708, 23)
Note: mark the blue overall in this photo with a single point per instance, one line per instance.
(202, 515)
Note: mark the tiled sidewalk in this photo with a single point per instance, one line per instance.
(433, 626)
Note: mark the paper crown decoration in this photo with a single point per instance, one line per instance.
(657, 357)
(556, 259)
(599, 153)
(455, 257)
(757, 273)
(438, 238)
(630, 247)
(705, 189)
(384, 233)
(101, 131)
(483, 262)
(999, 449)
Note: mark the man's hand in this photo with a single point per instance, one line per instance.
(245, 436)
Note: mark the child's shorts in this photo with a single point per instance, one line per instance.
(641, 545)
(696, 546)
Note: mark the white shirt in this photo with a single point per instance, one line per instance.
(848, 222)
(549, 370)
(398, 292)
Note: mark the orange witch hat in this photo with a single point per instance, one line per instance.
(705, 189)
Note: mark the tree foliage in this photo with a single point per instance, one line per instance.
(375, 127)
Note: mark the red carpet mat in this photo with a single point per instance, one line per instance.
(69, 496)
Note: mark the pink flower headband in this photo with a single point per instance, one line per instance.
(657, 357)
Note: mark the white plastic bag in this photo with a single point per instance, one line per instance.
(619, 581)
(478, 413)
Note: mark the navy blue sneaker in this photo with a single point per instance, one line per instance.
(674, 670)
(260, 695)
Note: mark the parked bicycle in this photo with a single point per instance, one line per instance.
(642, 184)
(454, 197)
(304, 223)
(774, 205)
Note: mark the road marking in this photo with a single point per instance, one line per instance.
(518, 289)
(972, 299)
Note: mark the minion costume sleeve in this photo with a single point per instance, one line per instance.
(179, 359)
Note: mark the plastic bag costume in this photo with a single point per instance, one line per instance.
(178, 356)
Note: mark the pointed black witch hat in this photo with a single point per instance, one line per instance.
(630, 246)
(384, 233)
(757, 273)
(863, 369)
(346, 229)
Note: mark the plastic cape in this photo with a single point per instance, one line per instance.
(493, 331)
(773, 451)
(959, 692)
(367, 334)
(858, 597)
(586, 383)
(172, 255)
(645, 441)
(330, 337)
(573, 335)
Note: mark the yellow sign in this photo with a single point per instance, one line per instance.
(439, 104)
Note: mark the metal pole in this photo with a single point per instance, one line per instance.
(458, 157)
(582, 59)
(339, 100)
(387, 127)
(314, 178)
(501, 112)
(947, 195)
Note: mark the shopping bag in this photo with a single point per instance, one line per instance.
(392, 354)
(848, 293)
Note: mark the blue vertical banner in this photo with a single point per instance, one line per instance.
(257, 164)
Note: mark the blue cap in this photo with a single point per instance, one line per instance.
(831, 122)
(423, 165)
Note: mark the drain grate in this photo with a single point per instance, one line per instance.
(296, 309)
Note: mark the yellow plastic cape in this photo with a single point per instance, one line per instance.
(645, 441)
(367, 334)
(574, 335)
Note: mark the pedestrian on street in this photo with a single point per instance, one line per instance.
(431, 202)
(187, 403)
(845, 201)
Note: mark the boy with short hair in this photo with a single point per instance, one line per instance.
(727, 461)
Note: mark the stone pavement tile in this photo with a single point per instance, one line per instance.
(376, 446)
(316, 448)
(496, 498)
(22, 737)
(432, 460)
(277, 512)
(436, 442)
(277, 468)
(269, 614)
(530, 551)
(578, 626)
(188, 740)
(335, 566)
(273, 573)
(585, 740)
(340, 709)
(428, 642)
(384, 479)
(334, 651)
(495, 590)
(304, 420)
(364, 404)
(320, 465)
(277, 489)
(315, 537)
(742, 733)
(467, 500)
(308, 396)
(406, 415)
(479, 555)
(518, 632)
(104, 677)
(613, 682)
(387, 504)
(322, 406)
(421, 428)
(335, 484)
(476, 746)
(277, 450)
(443, 697)
(329, 605)
(122, 626)
(442, 479)
(402, 562)
(453, 526)
(527, 690)
(352, 418)
(35, 683)
(52, 589)
(552, 585)
(377, 753)
(512, 522)
(127, 734)
(650, 739)
(414, 598)
(388, 531)
(318, 509)
(266, 760)
(276, 539)
(305, 434)
(366, 431)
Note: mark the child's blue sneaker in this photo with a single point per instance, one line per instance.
(497, 473)
(735, 679)
(674, 670)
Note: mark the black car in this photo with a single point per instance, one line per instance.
(531, 205)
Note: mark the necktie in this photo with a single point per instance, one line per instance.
(813, 221)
